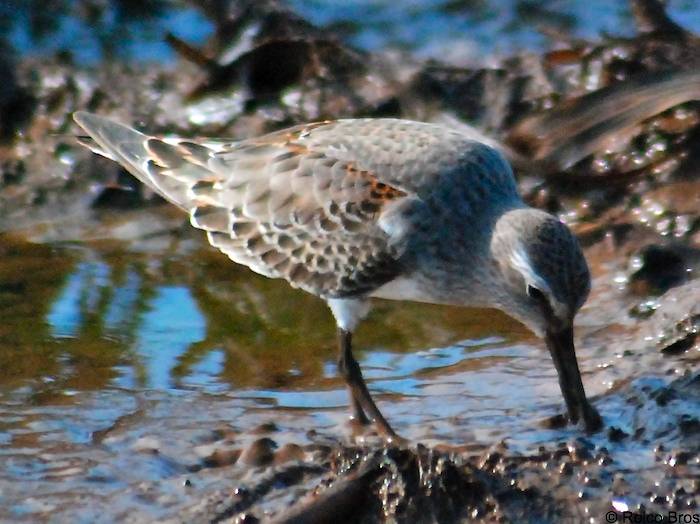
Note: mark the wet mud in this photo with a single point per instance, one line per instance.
(144, 377)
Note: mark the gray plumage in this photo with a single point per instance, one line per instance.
(354, 209)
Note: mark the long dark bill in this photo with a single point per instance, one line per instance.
(561, 347)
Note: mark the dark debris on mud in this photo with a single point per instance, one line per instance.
(407, 485)
(575, 480)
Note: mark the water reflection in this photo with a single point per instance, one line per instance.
(78, 299)
(107, 352)
(95, 317)
(102, 346)
(30, 277)
(185, 322)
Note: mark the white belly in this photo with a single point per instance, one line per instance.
(419, 290)
(406, 288)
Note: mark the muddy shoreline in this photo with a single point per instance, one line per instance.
(602, 133)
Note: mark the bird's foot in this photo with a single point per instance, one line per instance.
(366, 431)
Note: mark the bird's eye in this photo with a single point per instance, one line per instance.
(535, 294)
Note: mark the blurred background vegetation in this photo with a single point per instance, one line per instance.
(94, 29)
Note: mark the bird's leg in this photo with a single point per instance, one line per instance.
(360, 398)
(345, 352)
(358, 413)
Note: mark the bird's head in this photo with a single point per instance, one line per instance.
(544, 281)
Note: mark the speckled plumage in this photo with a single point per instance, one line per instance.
(321, 205)
(354, 209)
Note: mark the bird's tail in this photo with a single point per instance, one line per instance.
(151, 160)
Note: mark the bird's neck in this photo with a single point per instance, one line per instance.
(459, 266)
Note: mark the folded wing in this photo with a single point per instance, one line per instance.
(303, 204)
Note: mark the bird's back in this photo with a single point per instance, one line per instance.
(332, 207)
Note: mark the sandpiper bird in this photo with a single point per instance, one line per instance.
(354, 209)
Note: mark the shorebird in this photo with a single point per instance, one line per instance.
(349, 210)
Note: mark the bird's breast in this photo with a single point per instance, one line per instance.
(437, 285)
(405, 288)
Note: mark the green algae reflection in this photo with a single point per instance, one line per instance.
(87, 317)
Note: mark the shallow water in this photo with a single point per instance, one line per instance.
(464, 31)
(118, 364)
(103, 347)
(459, 31)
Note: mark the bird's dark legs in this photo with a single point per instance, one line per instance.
(358, 414)
(346, 361)
(360, 399)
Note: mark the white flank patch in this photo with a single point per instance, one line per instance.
(348, 312)
(402, 288)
